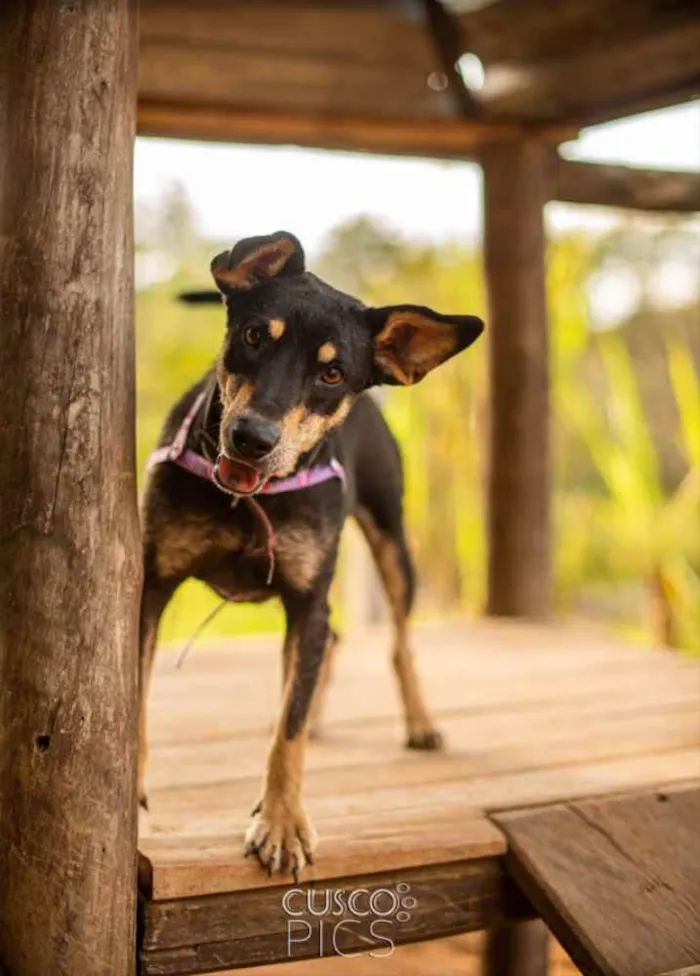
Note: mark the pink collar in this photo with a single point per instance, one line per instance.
(196, 464)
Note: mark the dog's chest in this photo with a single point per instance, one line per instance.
(245, 557)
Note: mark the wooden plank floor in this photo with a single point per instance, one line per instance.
(531, 715)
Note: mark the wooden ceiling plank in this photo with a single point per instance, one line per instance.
(611, 82)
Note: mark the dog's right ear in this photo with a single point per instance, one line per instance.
(257, 259)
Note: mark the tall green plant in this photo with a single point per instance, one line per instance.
(653, 533)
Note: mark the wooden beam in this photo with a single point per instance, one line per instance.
(445, 29)
(519, 478)
(447, 138)
(623, 186)
(252, 928)
(69, 565)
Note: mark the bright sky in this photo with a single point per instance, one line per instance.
(308, 191)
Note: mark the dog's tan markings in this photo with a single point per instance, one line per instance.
(341, 413)
(419, 726)
(181, 544)
(236, 393)
(411, 344)
(281, 832)
(327, 353)
(302, 429)
(300, 554)
(276, 329)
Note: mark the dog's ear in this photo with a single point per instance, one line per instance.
(256, 259)
(410, 340)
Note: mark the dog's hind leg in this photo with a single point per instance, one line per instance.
(382, 526)
(154, 599)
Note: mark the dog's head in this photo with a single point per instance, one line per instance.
(297, 353)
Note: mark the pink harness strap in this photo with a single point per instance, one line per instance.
(203, 468)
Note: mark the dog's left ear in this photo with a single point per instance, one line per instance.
(257, 259)
(410, 340)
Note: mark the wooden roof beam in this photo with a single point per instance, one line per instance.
(622, 186)
(441, 138)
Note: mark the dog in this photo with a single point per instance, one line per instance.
(259, 464)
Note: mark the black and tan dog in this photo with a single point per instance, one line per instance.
(285, 396)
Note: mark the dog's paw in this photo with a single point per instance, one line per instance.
(429, 740)
(282, 837)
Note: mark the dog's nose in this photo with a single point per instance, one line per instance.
(253, 438)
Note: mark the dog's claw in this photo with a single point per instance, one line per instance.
(143, 801)
(281, 838)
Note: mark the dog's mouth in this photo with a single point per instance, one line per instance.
(237, 477)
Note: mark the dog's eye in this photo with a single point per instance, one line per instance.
(332, 375)
(254, 336)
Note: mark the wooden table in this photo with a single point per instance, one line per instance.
(533, 716)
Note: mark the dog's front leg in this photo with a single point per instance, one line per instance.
(280, 834)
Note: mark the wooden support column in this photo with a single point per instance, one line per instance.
(69, 566)
(515, 192)
(519, 573)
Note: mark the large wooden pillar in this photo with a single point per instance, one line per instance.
(69, 575)
(519, 571)
(519, 467)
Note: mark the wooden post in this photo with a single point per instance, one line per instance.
(519, 574)
(69, 570)
(517, 949)
(519, 472)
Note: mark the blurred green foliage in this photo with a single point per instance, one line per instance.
(626, 417)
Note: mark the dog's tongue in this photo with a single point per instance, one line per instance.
(237, 476)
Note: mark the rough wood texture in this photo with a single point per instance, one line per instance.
(68, 525)
(253, 928)
(515, 191)
(616, 879)
(624, 186)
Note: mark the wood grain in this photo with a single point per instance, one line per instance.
(69, 556)
(518, 493)
(195, 935)
(531, 714)
(616, 879)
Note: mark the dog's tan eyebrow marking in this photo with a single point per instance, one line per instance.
(276, 328)
(327, 353)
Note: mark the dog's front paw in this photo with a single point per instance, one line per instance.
(281, 836)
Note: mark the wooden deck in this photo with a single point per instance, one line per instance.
(532, 715)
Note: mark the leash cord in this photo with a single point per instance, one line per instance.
(207, 620)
